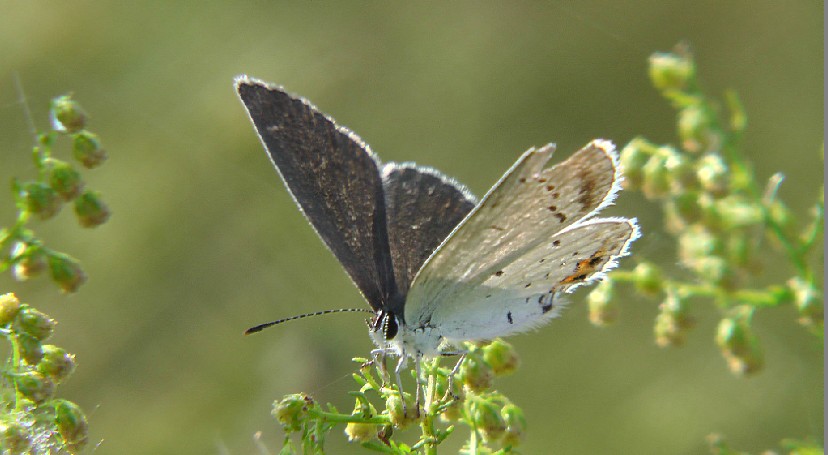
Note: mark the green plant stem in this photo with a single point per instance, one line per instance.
(334, 417)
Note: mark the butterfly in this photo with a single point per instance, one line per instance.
(437, 266)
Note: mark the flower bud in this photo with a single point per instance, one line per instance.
(41, 200)
(57, 364)
(603, 310)
(633, 158)
(292, 410)
(67, 115)
(715, 270)
(29, 260)
(695, 243)
(66, 272)
(31, 349)
(681, 211)
(808, 299)
(14, 438)
(738, 212)
(712, 172)
(739, 346)
(487, 418)
(34, 386)
(696, 129)
(681, 172)
(90, 210)
(647, 278)
(64, 179)
(86, 148)
(656, 178)
(477, 375)
(9, 307)
(35, 323)
(71, 425)
(515, 425)
(401, 416)
(501, 356)
(361, 431)
(671, 71)
(672, 321)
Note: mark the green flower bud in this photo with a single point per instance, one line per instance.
(476, 374)
(696, 129)
(41, 200)
(716, 270)
(86, 148)
(31, 349)
(9, 307)
(695, 243)
(57, 364)
(66, 272)
(360, 432)
(739, 346)
(400, 416)
(712, 172)
(672, 321)
(64, 179)
(14, 438)
(656, 178)
(739, 248)
(67, 115)
(34, 386)
(633, 158)
(681, 211)
(90, 210)
(808, 299)
(292, 410)
(71, 425)
(35, 323)
(29, 260)
(603, 310)
(487, 418)
(647, 278)
(670, 71)
(501, 356)
(710, 215)
(515, 425)
(681, 172)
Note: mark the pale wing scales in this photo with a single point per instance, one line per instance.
(519, 214)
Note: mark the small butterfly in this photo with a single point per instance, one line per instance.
(437, 266)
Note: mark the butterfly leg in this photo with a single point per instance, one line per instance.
(450, 388)
(400, 365)
(378, 356)
(417, 362)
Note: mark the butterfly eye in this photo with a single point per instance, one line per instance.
(389, 326)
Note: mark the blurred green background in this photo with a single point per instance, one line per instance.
(204, 240)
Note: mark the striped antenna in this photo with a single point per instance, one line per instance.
(261, 327)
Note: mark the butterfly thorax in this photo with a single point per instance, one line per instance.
(392, 335)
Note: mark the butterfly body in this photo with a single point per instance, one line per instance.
(438, 267)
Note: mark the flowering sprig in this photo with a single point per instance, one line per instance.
(379, 415)
(724, 221)
(57, 183)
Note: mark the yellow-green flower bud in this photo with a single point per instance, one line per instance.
(9, 307)
(360, 432)
(400, 416)
(515, 425)
(477, 375)
(64, 179)
(738, 211)
(696, 129)
(712, 172)
(808, 299)
(487, 418)
(633, 158)
(14, 438)
(695, 243)
(647, 278)
(41, 200)
(90, 210)
(739, 346)
(57, 364)
(716, 270)
(67, 115)
(34, 386)
(656, 178)
(681, 172)
(35, 323)
(31, 349)
(292, 410)
(672, 321)
(72, 425)
(66, 272)
(603, 309)
(670, 71)
(86, 148)
(29, 260)
(501, 356)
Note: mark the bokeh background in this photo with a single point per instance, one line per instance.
(204, 240)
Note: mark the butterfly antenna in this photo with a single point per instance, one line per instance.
(261, 327)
